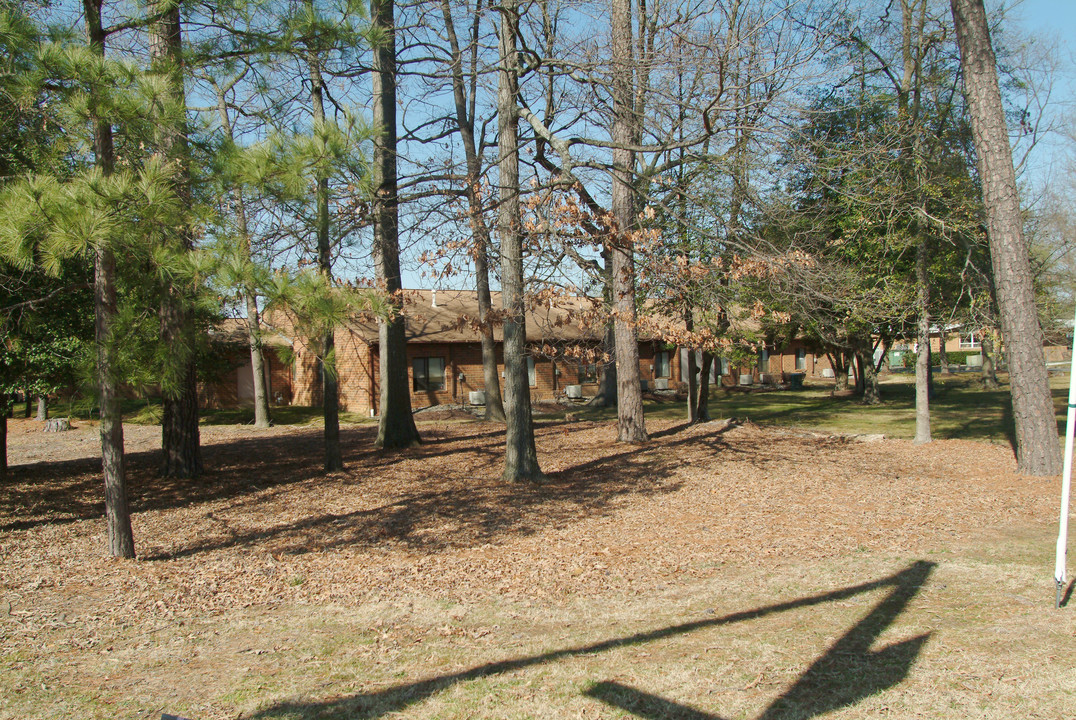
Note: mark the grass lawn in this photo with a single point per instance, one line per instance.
(722, 571)
(960, 409)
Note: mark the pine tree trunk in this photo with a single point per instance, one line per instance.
(922, 360)
(631, 423)
(180, 439)
(494, 408)
(988, 374)
(179, 427)
(42, 408)
(330, 385)
(702, 404)
(520, 457)
(262, 415)
(117, 512)
(943, 354)
(330, 397)
(396, 423)
(28, 402)
(1037, 449)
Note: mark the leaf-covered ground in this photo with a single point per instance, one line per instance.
(415, 582)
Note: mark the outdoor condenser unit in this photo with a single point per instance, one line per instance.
(573, 392)
(477, 397)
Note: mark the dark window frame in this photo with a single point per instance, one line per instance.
(668, 364)
(424, 362)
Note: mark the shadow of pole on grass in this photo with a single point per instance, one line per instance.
(835, 672)
(847, 673)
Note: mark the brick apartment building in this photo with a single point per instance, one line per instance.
(444, 358)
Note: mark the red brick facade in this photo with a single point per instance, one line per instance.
(233, 384)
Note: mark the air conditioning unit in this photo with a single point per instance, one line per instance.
(477, 397)
(827, 372)
(661, 383)
(745, 378)
(573, 392)
(974, 361)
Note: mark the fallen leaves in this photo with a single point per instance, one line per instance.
(265, 527)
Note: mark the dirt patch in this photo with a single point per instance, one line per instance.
(264, 528)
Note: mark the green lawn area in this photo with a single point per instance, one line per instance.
(960, 408)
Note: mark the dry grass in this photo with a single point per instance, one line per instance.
(719, 572)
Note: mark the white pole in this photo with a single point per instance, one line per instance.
(1066, 476)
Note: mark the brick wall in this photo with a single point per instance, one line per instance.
(223, 390)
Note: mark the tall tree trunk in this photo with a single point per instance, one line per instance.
(692, 371)
(27, 402)
(1037, 449)
(396, 424)
(702, 404)
(922, 360)
(988, 375)
(180, 444)
(838, 362)
(943, 354)
(631, 424)
(3, 441)
(117, 512)
(520, 457)
(607, 379)
(180, 441)
(262, 414)
(42, 408)
(330, 378)
(858, 370)
(494, 409)
(871, 393)
(491, 378)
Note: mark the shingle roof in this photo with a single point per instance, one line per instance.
(451, 316)
(234, 330)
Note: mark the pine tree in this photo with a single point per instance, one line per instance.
(1037, 449)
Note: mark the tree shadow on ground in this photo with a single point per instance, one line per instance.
(846, 673)
(71, 490)
(466, 510)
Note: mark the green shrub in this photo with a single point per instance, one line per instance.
(960, 357)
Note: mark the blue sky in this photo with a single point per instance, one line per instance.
(1048, 20)
(1049, 17)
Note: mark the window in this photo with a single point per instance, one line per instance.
(764, 360)
(661, 365)
(532, 376)
(429, 374)
(801, 358)
(969, 341)
(588, 373)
